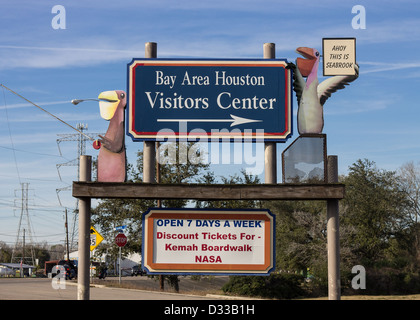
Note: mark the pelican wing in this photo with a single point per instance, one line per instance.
(298, 81)
(331, 85)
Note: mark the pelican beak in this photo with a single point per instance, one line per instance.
(305, 65)
(108, 103)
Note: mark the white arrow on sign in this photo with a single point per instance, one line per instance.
(235, 120)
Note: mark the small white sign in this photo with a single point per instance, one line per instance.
(339, 56)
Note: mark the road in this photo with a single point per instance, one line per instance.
(42, 289)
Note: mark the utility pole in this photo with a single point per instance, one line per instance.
(67, 237)
(24, 225)
(83, 281)
(23, 248)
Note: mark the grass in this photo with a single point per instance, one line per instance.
(203, 288)
(368, 297)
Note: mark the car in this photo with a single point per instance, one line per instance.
(67, 267)
(136, 270)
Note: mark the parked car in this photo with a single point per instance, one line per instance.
(136, 270)
(67, 267)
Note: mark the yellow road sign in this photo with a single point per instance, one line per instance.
(95, 238)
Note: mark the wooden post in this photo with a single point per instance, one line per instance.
(85, 174)
(270, 148)
(159, 204)
(149, 148)
(333, 235)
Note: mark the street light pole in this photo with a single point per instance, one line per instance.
(77, 101)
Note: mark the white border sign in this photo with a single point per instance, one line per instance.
(204, 241)
(196, 99)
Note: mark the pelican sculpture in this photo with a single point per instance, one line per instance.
(311, 95)
(112, 154)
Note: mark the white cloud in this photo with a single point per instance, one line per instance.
(50, 57)
(356, 106)
(377, 66)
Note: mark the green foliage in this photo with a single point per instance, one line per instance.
(387, 281)
(374, 206)
(42, 255)
(300, 233)
(379, 229)
(276, 286)
(5, 252)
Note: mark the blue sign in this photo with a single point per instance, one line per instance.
(236, 100)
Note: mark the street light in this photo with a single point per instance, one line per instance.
(96, 143)
(77, 101)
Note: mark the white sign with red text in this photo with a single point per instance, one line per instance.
(185, 241)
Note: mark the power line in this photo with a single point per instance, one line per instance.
(10, 133)
(32, 152)
(62, 121)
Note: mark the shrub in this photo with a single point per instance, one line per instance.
(276, 286)
(388, 281)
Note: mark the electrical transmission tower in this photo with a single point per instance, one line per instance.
(24, 232)
(81, 139)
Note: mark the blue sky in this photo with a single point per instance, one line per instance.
(376, 117)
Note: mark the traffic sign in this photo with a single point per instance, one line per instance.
(237, 100)
(120, 228)
(208, 241)
(121, 240)
(95, 238)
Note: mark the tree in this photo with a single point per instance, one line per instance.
(374, 207)
(5, 252)
(409, 175)
(42, 253)
(373, 225)
(301, 242)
